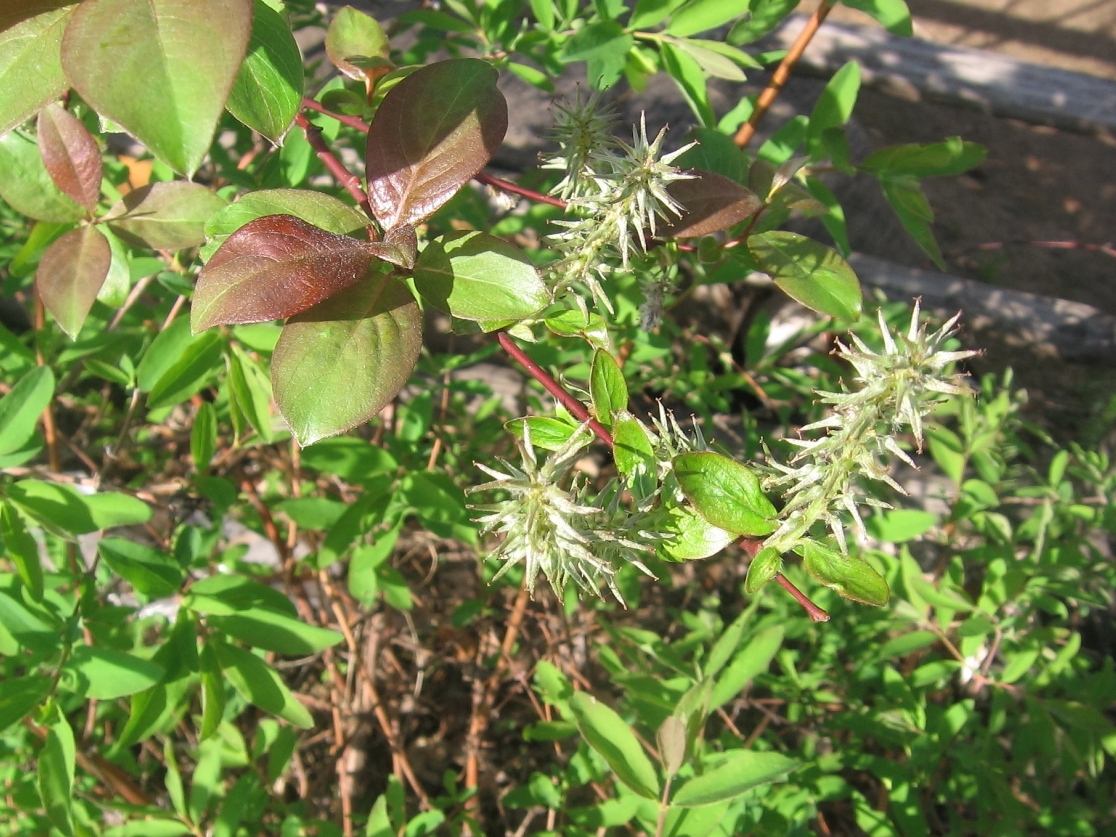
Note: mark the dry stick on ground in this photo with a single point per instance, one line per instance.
(782, 73)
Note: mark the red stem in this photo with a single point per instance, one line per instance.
(508, 186)
(812, 610)
(343, 176)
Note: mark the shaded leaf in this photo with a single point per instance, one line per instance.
(433, 131)
(711, 202)
(748, 662)
(264, 628)
(948, 157)
(261, 685)
(20, 695)
(56, 773)
(21, 407)
(616, 743)
(604, 47)
(724, 492)
(161, 69)
(476, 276)
(703, 15)
(26, 185)
(275, 267)
(808, 272)
(267, 92)
(70, 154)
(30, 61)
(607, 387)
(341, 362)
(165, 216)
(151, 572)
(70, 275)
(21, 550)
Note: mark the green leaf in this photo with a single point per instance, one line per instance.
(108, 674)
(740, 771)
(21, 407)
(913, 210)
(56, 773)
(353, 460)
(632, 449)
(227, 594)
(693, 538)
(70, 275)
(367, 559)
(272, 631)
(476, 276)
(203, 437)
(26, 185)
(764, 567)
(853, 578)
(21, 550)
(604, 46)
(259, 684)
(547, 433)
(711, 60)
(808, 272)
(338, 364)
(161, 69)
(165, 216)
(893, 15)
(691, 80)
(198, 363)
(153, 573)
(948, 157)
(901, 525)
(607, 387)
(20, 695)
(649, 13)
(212, 691)
(703, 15)
(267, 92)
(748, 662)
(834, 107)
(31, 66)
(70, 154)
(764, 16)
(724, 492)
(250, 388)
(433, 131)
(64, 507)
(616, 743)
(357, 45)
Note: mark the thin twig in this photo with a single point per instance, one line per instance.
(812, 610)
(781, 74)
(341, 174)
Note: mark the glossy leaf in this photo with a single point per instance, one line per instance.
(267, 92)
(854, 578)
(26, 185)
(724, 492)
(433, 131)
(710, 203)
(476, 276)
(56, 773)
(162, 69)
(740, 771)
(153, 573)
(70, 275)
(764, 567)
(108, 674)
(607, 387)
(693, 537)
(341, 362)
(22, 406)
(703, 15)
(315, 208)
(616, 743)
(31, 65)
(21, 549)
(260, 684)
(357, 45)
(70, 154)
(165, 216)
(272, 268)
(808, 272)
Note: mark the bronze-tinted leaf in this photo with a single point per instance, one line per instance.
(711, 202)
(165, 216)
(341, 362)
(275, 267)
(70, 154)
(433, 132)
(71, 273)
(400, 246)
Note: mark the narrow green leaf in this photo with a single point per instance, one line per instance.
(31, 65)
(260, 685)
(741, 771)
(272, 631)
(21, 550)
(607, 387)
(893, 15)
(19, 696)
(691, 80)
(476, 276)
(338, 364)
(671, 739)
(199, 362)
(616, 743)
(834, 107)
(203, 437)
(56, 773)
(161, 69)
(153, 573)
(367, 559)
(21, 408)
(749, 661)
(764, 567)
(223, 594)
(70, 275)
(949, 157)
(808, 272)
(853, 578)
(725, 493)
(703, 15)
(604, 47)
(108, 674)
(905, 195)
(764, 16)
(176, 790)
(268, 89)
(212, 691)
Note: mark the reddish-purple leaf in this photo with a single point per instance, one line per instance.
(71, 273)
(711, 202)
(70, 154)
(400, 246)
(275, 267)
(341, 362)
(433, 132)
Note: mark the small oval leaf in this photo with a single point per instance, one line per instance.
(853, 578)
(710, 203)
(30, 64)
(809, 272)
(616, 743)
(694, 536)
(275, 267)
(724, 492)
(357, 45)
(268, 89)
(70, 154)
(70, 274)
(165, 216)
(607, 387)
(434, 130)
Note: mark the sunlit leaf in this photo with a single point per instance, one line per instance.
(710, 203)
(341, 362)
(616, 743)
(70, 275)
(433, 132)
(26, 185)
(70, 154)
(30, 62)
(162, 69)
(809, 272)
(165, 216)
(22, 406)
(107, 674)
(740, 771)
(357, 45)
(261, 685)
(854, 578)
(268, 89)
(724, 492)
